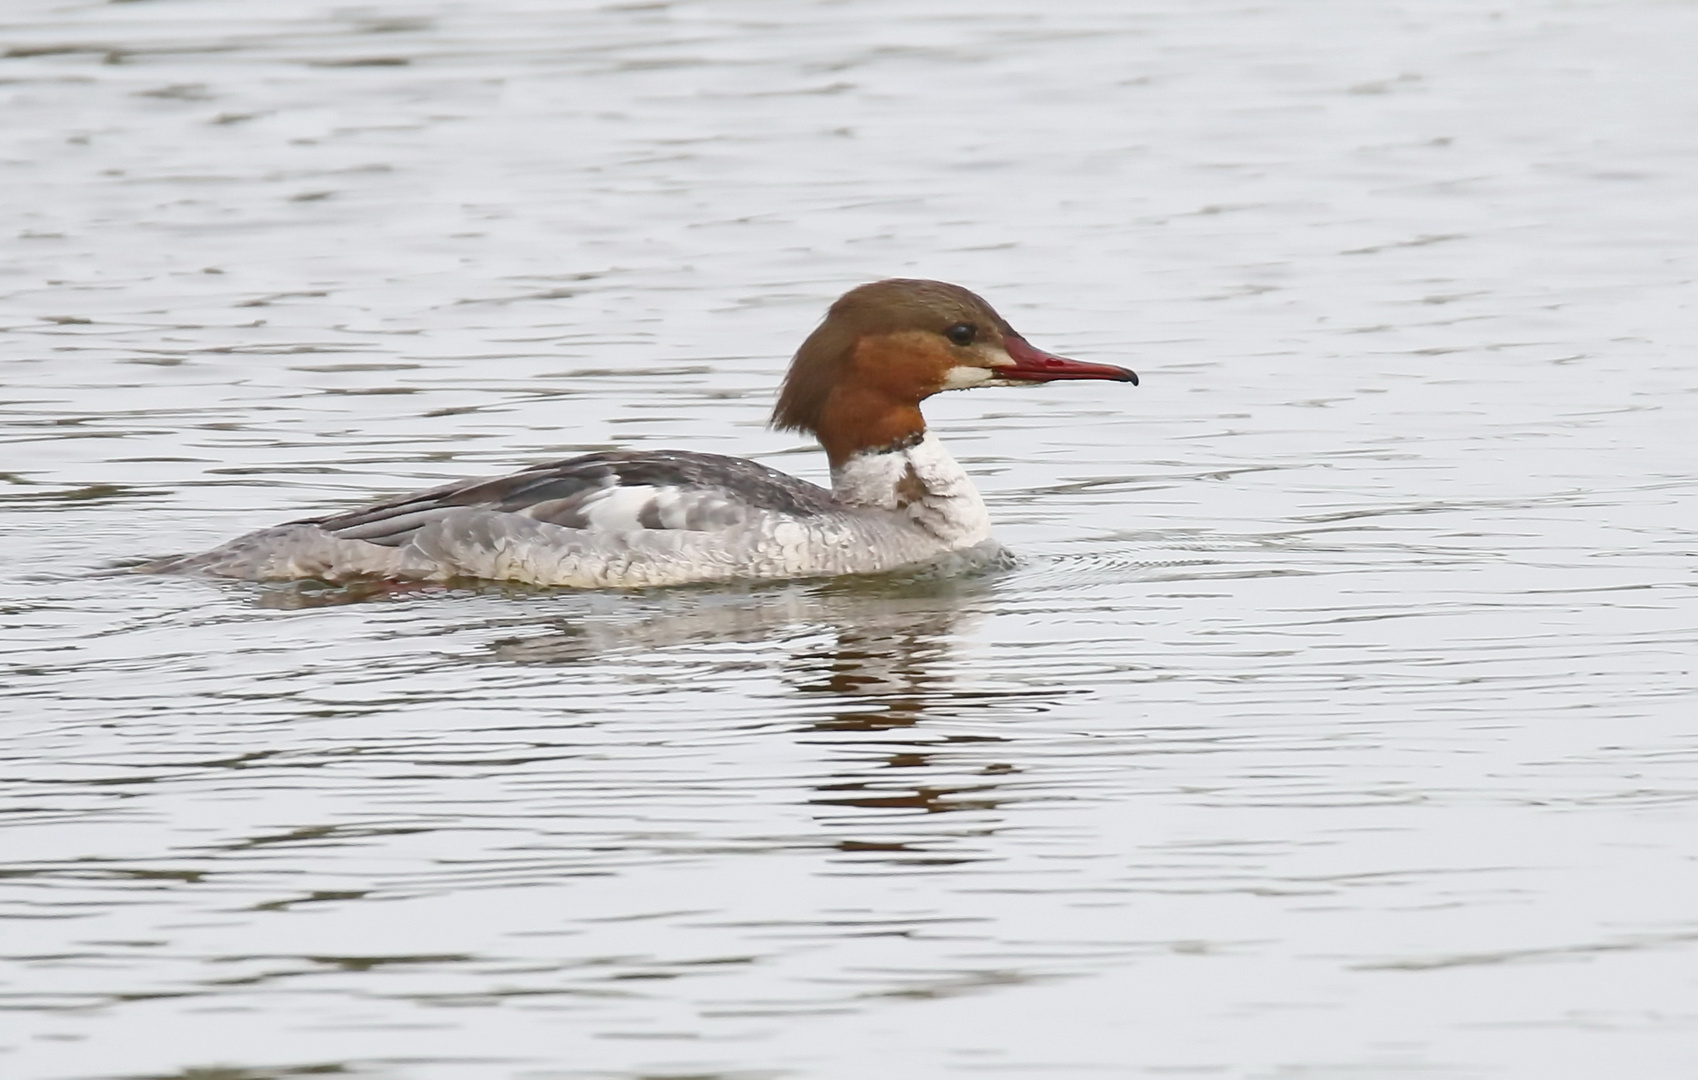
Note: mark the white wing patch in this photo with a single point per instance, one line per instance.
(632, 507)
(622, 509)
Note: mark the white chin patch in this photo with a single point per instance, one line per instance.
(962, 376)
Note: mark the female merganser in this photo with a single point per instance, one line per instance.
(667, 517)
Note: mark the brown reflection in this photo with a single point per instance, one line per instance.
(880, 681)
(869, 793)
(885, 675)
(887, 668)
(930, 799)
(870, 662)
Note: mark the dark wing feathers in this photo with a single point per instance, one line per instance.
(689, 491)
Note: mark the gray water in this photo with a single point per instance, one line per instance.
(1339, 719)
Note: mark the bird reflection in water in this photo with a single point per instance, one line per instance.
(871, 661)
(883, 676)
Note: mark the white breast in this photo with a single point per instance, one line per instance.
(923, 484)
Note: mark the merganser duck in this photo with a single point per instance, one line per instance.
(668, 517)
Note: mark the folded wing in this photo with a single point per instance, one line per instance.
(609, 492)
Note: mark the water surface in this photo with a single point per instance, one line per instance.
(1337, 720)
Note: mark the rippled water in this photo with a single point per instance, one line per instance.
(1338, 720)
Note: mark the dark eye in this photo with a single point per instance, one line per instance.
(962, 333)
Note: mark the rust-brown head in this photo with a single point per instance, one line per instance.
(858, 380)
